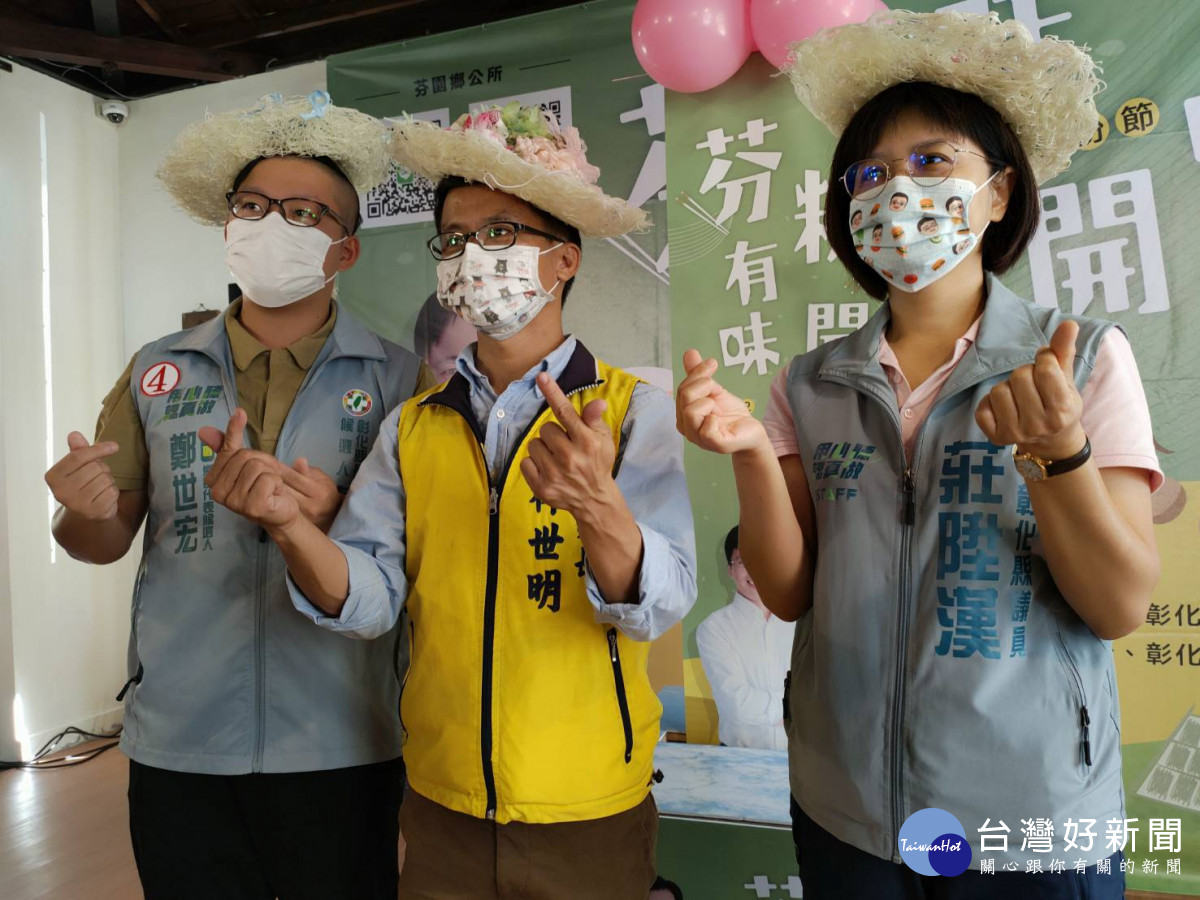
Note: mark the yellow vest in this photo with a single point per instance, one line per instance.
(518, 705)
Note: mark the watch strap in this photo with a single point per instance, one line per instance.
(1071, 463)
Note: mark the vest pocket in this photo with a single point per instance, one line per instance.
(412, 644)
(1076, 682)
(622, 701)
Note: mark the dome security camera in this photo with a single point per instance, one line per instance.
(115, 111)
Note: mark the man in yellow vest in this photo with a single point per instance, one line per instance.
(532, 516)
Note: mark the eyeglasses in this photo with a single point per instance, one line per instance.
(298, 211)
(493, 236)
(928, 164)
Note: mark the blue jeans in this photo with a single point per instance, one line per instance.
(833, 870)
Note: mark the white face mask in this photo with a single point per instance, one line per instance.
(275, 263)
(497, 291)
(913, 235)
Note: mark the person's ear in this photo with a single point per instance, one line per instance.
(569, 258)
(1002, 187)
(350, 249)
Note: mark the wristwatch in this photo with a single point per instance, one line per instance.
(1034, 468)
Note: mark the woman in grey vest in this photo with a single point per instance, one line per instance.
(954, 500)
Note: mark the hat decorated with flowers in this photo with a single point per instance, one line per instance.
(520, 150)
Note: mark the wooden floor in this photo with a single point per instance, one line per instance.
(64, 834)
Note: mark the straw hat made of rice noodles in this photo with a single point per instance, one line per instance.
(1045, 90)
(521, 151)
(206, 157)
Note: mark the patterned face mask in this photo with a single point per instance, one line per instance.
(497, 291)
(913, 235)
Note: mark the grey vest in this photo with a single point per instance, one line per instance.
(226, 677)
(939, 665)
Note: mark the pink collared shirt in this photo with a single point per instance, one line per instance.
(1116, 417)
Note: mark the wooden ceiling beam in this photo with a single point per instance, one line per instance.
(157, 17)
(72, 45)
(288, 22)
(245, 9)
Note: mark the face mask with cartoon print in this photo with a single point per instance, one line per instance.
(912, 235)
(497, 291)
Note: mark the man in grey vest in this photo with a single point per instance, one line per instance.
(264, 750)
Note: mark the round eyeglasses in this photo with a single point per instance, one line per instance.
(928, 164)
(493, 236)
(298, 211)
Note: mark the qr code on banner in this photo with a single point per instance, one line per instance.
(404, 197)
(556, 100)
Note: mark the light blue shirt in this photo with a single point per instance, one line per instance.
(370, 527)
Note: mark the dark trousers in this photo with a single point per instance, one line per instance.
(833, 870)
(451, 856)
(328, 835)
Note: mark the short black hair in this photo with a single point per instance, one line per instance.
(963, 114)
(661, 884)
(356, 219)
(554, 224)
(731, 544)
(898, 194)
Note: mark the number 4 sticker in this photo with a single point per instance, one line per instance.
(161, 378)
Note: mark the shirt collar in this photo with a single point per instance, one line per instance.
(554, 363)
(749, 607)
(247, 348)
(887, 356)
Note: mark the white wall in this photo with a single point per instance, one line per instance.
(124, 265)
(170, 264)
(63, 625)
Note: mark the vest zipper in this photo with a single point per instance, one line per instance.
(495, 489)
(136, 679)
(260, 641)
(403, 680)
(489, 638)
(787, 696)
(622, 700)
(1085, 719)
(908, 489)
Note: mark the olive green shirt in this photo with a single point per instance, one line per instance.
(267, 384)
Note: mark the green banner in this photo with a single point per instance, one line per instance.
(753, 284)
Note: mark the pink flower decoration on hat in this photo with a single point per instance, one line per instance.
(535, 137)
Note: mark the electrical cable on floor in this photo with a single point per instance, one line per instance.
(40, 760)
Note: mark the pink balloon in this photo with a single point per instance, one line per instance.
(777, 23)
(691, 45)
